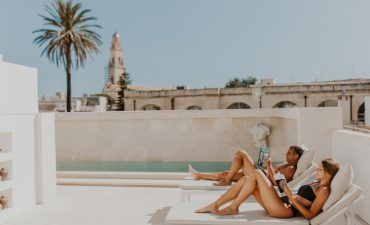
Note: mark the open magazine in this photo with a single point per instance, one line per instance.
(264, 154)
(281, 183)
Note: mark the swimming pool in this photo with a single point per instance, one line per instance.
(130, 166)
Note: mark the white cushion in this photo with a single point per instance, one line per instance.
(352, 195)
(249, 214)
(304, 161)
(339, 185)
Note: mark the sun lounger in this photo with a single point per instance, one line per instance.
(182, 213)
(190, 186)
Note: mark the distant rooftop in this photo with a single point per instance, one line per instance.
(346, 81)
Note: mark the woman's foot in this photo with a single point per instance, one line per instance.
(228, 211)
(194, 173)
(222, 182)
(212, 208)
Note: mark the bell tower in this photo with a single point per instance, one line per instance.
(116, 66)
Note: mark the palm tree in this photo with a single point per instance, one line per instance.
(68, 37)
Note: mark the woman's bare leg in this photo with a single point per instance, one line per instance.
(248, 188)
(267, 194)
(229, 195)
(241, 160)
(271, 201)
(206, 176)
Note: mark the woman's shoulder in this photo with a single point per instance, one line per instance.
(323, 192)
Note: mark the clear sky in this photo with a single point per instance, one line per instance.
(204, 43)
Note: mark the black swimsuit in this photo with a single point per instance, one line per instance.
(305, 192)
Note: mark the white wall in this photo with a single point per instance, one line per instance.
(45, 158)
(23, 132)
(354, 148)
(18, 89)
(204, 135)
(21, 128)
(315, 126)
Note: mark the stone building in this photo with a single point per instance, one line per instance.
(347, 93)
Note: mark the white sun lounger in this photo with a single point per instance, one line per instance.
(182, 213)
(190, 186)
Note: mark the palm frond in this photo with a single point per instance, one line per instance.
(68, 31)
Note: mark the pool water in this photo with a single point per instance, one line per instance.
(130, 166)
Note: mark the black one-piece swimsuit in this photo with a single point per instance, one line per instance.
(305, 192)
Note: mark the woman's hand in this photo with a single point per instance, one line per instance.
(268, 162)
(288, 192)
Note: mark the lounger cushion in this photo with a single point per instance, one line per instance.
(304, 161)
(305, 178)
(339, 185)
(354, 193)
(249, 214)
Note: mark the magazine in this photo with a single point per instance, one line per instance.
(280, 181)
(264, 154)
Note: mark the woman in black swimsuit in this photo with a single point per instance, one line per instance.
(308, 202)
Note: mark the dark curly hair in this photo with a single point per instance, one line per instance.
(298, 150)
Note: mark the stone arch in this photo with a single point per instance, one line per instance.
(194, 107)
(328, 103)
(361, 113)
(238, 105)
(150, 107)
(285, 104)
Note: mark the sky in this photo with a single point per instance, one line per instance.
(203, 43)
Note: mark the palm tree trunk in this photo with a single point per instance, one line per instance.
(68, 73)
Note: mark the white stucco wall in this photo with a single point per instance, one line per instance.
(212, 135)
(354, 148)
(22, 188)
(20, 139)
(18, 89)
(315, 126)
(45, 158)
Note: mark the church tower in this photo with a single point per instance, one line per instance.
(116, 67)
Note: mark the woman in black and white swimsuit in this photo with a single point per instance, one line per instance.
(308, 202)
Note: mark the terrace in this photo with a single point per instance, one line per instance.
(33, 144)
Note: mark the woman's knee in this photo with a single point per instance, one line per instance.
(241, 153)
(250, 177)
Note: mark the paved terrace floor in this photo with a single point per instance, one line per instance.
(104, 205)
(94, 205)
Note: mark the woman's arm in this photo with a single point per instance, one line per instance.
(270, 171)
(321, 196)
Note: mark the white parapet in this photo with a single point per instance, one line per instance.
(45, 158)
(18, 89)
(27, 149)
(353, 148)
(367, 110)
(201, 135)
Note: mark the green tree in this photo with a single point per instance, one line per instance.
(68, 37)
(124, 81)
(249, 81)
(237, 82)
